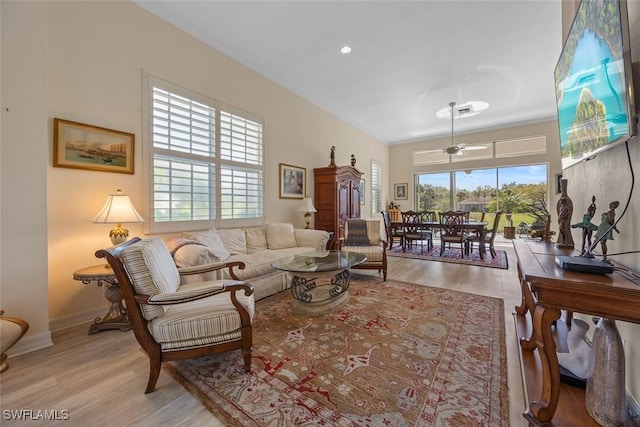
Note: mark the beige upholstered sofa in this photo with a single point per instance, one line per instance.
(256, 247)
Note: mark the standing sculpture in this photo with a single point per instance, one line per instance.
(587, 226)
(333, 156)
(564, 208)
(606, 228)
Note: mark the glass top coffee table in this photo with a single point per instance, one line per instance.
(319, 279)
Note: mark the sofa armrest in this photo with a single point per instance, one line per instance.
(316, 239)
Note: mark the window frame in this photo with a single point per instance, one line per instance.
(217, 162)
(377, 205)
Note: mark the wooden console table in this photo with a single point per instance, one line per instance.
(547, 289)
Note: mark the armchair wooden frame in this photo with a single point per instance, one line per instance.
(139, 323)
(9, 341)
(376, 252)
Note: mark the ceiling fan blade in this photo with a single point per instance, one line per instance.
(460, 153)
(475, 147)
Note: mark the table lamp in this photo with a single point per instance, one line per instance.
(307, 207)
(118, 209)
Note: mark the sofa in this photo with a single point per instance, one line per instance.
(256, 247)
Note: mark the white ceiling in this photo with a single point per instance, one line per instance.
(409, 58)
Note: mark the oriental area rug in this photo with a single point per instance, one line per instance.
(453, 255)
(397, 354)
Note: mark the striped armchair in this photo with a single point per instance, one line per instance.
(363, 236)
(174, 321)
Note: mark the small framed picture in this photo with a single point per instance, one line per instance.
(81, 146)
(362, 189)
(292, 182)
(400, 191)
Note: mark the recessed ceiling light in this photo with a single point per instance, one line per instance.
(345, 49)
(464, 109)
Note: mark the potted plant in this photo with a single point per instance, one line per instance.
(509, 202)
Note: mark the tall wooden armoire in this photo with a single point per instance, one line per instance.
(337, 197)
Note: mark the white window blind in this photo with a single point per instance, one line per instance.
(376, 188)
(206, 161)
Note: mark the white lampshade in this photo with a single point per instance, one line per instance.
(307, 205)
(118, 209)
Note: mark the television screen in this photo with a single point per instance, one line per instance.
(594, 82)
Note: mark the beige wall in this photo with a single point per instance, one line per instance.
(23, 169)
(91, 61)
(400, 156)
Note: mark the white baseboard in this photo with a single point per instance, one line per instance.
(31, 343)
(75, 319)
(35, 342)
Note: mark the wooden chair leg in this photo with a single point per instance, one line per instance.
(246, 355)
(154, 372)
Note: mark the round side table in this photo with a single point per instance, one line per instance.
(116, 317)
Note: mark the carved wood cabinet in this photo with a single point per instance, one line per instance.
(337, 197)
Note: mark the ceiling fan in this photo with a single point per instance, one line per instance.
(458, 149)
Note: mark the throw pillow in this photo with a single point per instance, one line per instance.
(212, 240)
(234, 240)
(281, 236)
(194, 254)
(357, 233)
(256, 239)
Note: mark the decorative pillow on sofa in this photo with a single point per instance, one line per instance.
(234, 240)
(194, 254)
(256, 239)
(281, 236)
(212, 240)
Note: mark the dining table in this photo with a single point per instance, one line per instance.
(479, 227)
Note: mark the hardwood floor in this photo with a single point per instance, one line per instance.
(99, 379)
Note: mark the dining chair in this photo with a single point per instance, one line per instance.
(489, 236)
(429, 216)
(392, 232)
(415, 231)
(452, 230)
(475, 234)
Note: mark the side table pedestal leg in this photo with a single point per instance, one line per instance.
(116, 317)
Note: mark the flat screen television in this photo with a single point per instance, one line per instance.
(594, 83)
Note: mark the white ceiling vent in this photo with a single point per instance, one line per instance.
(464, 109)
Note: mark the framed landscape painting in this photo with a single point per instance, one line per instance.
(292, 182)
(82, 146)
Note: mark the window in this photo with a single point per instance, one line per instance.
(518, 190)
(206, 162)
(376, 188)
(492, 150)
